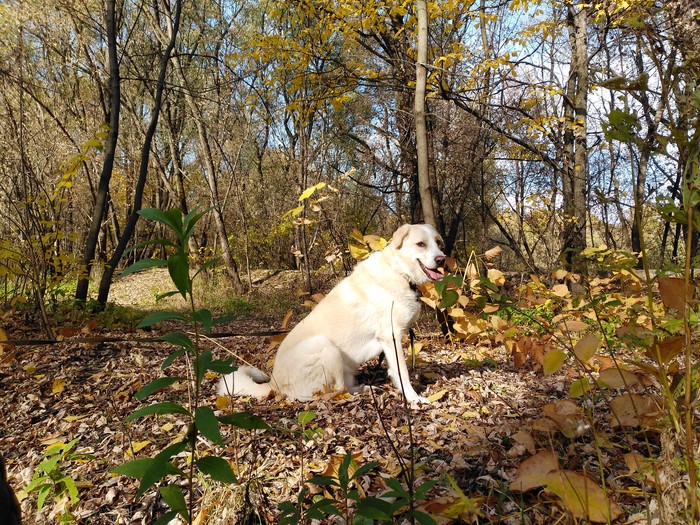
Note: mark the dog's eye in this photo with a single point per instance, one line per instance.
(420, 244)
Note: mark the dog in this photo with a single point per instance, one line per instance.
(366, 314)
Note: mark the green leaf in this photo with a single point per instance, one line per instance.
(206, 265)
(171, 218)
(173, 496)
(166, 518)
(245, 420)
(43, 492)
(203, 317)
(179, 269)
(222, 366)
(135, 468)
(449, 298)
(208, 424)
(155, 385)
(362, 470)
(143, 264)
(324, 481)
(375, 508)
(158, 317)
(157, 408)
(165, 295)
(205, 359)
(423, 518)
(160, 467)
(217, 469)
(306, 417)
(169, 360)
(579, 387)
(178, 339)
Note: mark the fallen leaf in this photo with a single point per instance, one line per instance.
(560, 290)
(437, 396)
(582, 496)
(525, 439)
(567, 416)
(532, 473)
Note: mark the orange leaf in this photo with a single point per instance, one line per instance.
(567, 416)
(615, 377)
(532, 473)
(664, 351)
(560, 290)
(574, 325)
(672, 291)
(631, 410)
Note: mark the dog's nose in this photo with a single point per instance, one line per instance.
(440, 261)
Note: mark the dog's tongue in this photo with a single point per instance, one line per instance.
(433, 274)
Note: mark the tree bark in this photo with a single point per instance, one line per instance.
(424, 186)
(101, 196)
(106, 281)
(575, 154)
(212, 182)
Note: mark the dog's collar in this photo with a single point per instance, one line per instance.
(415, 289)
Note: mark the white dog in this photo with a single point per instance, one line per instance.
(367, 313)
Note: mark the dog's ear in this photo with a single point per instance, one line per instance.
(399, 236)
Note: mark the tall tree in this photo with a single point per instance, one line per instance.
(106, 281)
(110, 148)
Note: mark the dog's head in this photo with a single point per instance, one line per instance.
(419, 250)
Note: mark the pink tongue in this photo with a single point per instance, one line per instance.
(433, 274)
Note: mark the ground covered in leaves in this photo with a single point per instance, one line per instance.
(486, 420)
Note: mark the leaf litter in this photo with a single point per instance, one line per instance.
(505, 443)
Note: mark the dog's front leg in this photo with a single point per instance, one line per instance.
(398, 371)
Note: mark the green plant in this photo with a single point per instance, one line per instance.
(349, 502)
(202, 419)
(50, 481)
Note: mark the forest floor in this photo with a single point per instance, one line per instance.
(486, 418)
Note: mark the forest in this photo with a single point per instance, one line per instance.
(182, 182)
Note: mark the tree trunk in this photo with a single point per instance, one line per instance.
(98, 213)
(424, 186)
(106, 281)
(575, 154)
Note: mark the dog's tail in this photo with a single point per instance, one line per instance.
(246, 381)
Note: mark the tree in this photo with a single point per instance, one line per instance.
(106, 281)
(110, 149)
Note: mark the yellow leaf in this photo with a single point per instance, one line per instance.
(586, 347)
(437, 396)
(70, 419)
(58, 386)
(30, 368)
(582, 496)
(136, 447)
(553, 361)
(222, 402)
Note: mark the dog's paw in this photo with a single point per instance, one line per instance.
(418, 400)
